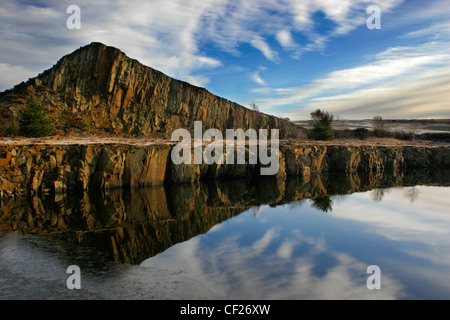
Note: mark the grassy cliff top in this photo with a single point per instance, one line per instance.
(92, 139)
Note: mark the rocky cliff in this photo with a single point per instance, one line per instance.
(46, 168)
(99, 89)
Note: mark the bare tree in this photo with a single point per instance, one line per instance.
(378, 194)
(341, 127)
(412, 127)
(254, 106)
(254, 211)
(378, 125)
(298, 134)
(412, 194)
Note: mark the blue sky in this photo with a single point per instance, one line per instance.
(289, 57)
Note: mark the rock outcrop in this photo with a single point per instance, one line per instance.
(45, 168)
(99, 89)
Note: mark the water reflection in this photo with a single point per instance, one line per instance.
(133, 225)
(303, 254)
(264, 239)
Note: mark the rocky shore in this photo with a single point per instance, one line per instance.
(45, 168)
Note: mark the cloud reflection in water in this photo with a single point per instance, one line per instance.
(306, 253)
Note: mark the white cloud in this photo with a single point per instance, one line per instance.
(262, 46)
(422, 96)
(16, 74)
(259, 245)
(258, 79)
(264, 90)
(166, 35)
(231, 263)
(169, 36)
(439, 30)
(158, 34)
(284, 37)
(388, 83)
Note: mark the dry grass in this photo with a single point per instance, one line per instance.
(82, 140)
(101, 139)
(373, 141)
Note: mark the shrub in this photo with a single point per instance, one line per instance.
(324, 203)
(34, 122)
(361, 133)
(13, 128)
(298, 134)
(342, 134)
(322, 122)
(382, 133)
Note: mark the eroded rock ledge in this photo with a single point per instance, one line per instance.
(45, 168)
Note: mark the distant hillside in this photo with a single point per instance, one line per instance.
(99, 89)
(420, 126)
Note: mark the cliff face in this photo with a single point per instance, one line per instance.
(44, 168)
(99, 88)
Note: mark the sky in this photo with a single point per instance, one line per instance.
(289, 57)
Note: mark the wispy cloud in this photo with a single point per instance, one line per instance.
(176, 38)
(262, 46)
(168, 35)
(439, 30)
(284, 37)
(391, 75)
(425, 95)
(159, 34)
(258, 79)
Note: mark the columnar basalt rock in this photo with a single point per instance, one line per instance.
(46, 168)
(98, 88)
(26, 169)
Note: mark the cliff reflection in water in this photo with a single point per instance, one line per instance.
(133, 225)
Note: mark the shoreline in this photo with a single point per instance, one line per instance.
(45, 166)
(144, 141)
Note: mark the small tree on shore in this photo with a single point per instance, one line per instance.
(378, 126)
(341, 128)
(34, 122)
(412, 127)
(322, 125)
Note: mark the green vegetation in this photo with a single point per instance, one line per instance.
(13, 128)
(323, 203)
(34, 122)
(322, 122)
(363, 134)
(70, 120)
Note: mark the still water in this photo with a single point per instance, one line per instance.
(266, 239)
